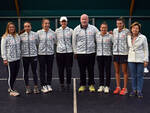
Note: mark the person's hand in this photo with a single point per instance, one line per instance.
(110, 32)
(5, 62)
(145, 64)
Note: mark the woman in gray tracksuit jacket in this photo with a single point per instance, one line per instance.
(10, 51)
(46, 39)
(104, 56)
(64, 52)
(120, 53)
(29, 41)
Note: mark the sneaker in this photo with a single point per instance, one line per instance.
(44, 89)
(100, 89)
(106, 89)
(146, 70)
(139, 95)
(13, 93)
(9, 90)
(124, 91)
(82, 89)
(36, 90)
(117, 90)
(91, 88)
(28, 91)
(133, 93)
(49, 88)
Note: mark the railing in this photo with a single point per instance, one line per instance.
(92, 18)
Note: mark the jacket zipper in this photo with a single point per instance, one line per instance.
(46, 43)
(102, 46)
(29, 44)
(15, 46)
(64, 41)
(118, 43)
(86, 41)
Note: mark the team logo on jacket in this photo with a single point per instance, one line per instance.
(123, 36)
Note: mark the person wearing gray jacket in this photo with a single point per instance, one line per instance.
(64, 52)
(138, 58)
(84, 49)
(104, 57)
(120, 55)
(10, 51)
(46, 40)
(29, 41)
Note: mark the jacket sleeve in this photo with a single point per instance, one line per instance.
(3, 48)
(55, 40)
(74, 42)
(146, 52)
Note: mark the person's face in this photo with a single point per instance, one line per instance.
(11, 29)
(27, 27)
(46, 24)
(135, 30)
(104, 28)
(119, 24)
(63, 24)
(84, 20)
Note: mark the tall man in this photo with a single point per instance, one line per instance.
(84, 49)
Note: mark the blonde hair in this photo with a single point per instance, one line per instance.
(7, 30)
(136, 24)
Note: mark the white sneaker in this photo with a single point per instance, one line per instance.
(49, 88)
(106, 89)
(146, 70)
(100, 89)
(44, 89)
(13, 93)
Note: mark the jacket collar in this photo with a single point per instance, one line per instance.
(64, 29)
(104, 35)
(84, 28)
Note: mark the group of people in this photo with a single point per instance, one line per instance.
(127, 48)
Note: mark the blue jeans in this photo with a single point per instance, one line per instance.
(137, 72)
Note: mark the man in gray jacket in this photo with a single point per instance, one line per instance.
(84, 48)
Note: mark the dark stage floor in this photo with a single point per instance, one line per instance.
(70, 101)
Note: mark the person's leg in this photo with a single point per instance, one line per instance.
(34, 70)
(90, 67)
(140, 74)
(42, 63)
(100, 62)
(26, 62)
(17, 66)
(82, 67)
(50, 59)
(125, 73)
(133, 73)
(11, 77)
(60, 64)
(124, 90)
(13, 68)
(117, 74)
(69, 63)
(108, 60)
